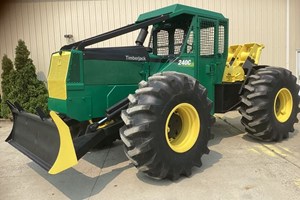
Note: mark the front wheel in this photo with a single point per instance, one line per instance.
(270, 104)
(167, 125)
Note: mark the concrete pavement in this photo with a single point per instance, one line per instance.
(237, 167)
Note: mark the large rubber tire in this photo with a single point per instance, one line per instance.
(270, 104)
(167, 125)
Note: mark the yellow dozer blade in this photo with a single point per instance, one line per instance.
(48, 141)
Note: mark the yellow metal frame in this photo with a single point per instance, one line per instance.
(190, 130)
(237, 56)
(233, 51)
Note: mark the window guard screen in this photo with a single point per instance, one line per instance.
(162, 43)
(221, 39)
(178, 40)
(190, 42)
(207, 42)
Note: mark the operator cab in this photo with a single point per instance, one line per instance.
(168, 37)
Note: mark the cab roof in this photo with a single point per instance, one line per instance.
(178, 9)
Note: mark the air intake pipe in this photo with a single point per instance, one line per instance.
(142, 36)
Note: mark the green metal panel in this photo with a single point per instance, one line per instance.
(112, 72)
(95, 99)
(80, 108)
(119, 92)
(57, 105)
(91, 101)
(178, 9)
(183, 64)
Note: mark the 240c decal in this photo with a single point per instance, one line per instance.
(185, 63)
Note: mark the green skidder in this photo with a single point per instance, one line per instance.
(158, 97)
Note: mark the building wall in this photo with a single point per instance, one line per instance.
(294, 33)
(43, 24)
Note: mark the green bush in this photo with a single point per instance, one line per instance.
(23, 85)
(6, 84)
(0, 106)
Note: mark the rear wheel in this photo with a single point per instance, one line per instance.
(167, 125)
(270, 104)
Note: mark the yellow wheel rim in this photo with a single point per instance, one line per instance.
(181, 135)
(283, 105)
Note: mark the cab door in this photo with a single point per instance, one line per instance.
(211, 54)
